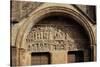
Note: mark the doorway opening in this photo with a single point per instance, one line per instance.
(40, 58)
(75, 56)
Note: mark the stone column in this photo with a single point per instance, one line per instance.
(17, 57)
(28, 59)
(58, 57)
(95, 53)
(20, 57)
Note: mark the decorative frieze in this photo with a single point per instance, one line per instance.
(49, 37)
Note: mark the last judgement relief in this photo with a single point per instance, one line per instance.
(42, 32)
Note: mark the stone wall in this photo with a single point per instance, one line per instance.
(21, 9)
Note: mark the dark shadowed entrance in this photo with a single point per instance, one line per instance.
(40, 58)
(75, 56)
